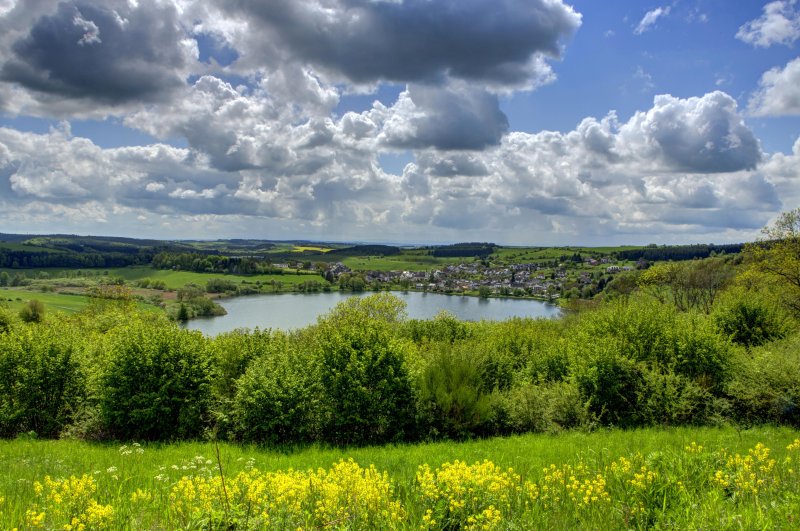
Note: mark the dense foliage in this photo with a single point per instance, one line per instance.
(214, 263)
(464, 250)
(365, 374)
(678, 252)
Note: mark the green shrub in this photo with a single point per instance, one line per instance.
(670, 399)
(42, 383)
(699, 351)
(611, 384)
(549, 407)
(765, 385)
(32, 312)
(220, 285)
(443, 327)
(277, 399)
(453, 398)
(366, 389)
(157, 383)
(641, 330)
(6, 320)
(751, 319)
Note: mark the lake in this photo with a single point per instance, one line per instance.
(296, 310)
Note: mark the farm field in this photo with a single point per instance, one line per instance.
(16, 299)
(405, 261)
(685, 477)
(526, 254)
(178, 279)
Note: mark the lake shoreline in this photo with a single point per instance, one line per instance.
(297, 309)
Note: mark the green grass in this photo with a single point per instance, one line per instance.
(52, 301)
(158, 467)
(533, 254)
(403, 262)
(178, 279)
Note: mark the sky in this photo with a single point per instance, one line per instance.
(521, 122)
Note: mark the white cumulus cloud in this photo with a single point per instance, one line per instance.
(779, 24)
(778, 92)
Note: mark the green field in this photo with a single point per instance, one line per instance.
(406, 261)
(178, 279)
(534, 254)
(16, 298)
(664, 481)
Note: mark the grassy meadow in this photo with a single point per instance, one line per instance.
(15, 299)
(406, 261)
(178, 279)
(720, 478)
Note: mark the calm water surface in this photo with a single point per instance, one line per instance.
(296, 310)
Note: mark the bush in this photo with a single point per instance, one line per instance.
(6, 320)
(220, 285)
(32, 312)
(41, 380)
(611, 384)
(765, 387)
(454, 398)
(157, 383)
(750, 319)
(546, 408)
(277, 399)
(365, 384)
(670, 399)
(443, 327)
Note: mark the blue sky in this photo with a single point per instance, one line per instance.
(538, 122)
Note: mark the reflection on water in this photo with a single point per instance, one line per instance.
(296, 310)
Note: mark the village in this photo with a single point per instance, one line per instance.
(547, 280)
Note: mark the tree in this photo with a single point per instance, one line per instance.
(5, 279)
(695, 284)
(777, 254)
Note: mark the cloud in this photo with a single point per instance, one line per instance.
(91, 54)
(456, 117)
(779, 24)
(784, 171)
(605, 180)
(778, 92)
(650, 18)
(701, 135)
(657, 172)
(501, 44)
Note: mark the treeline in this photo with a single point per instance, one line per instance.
(365, 250)
(214, 263)
(678, 252)
(464, 250)
(66, 251)
(14, 259)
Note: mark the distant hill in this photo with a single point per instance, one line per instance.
(465, 250)
(366, 250)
